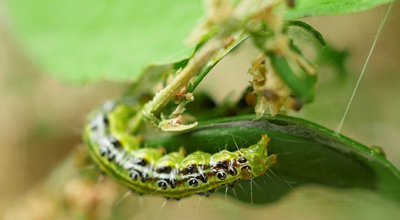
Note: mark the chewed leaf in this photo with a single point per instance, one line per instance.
(306, 154)
(306, 30)
(169, 125)
(80, 41)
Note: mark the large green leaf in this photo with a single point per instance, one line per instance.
(306, 154)
(77, 41)
(305, 8)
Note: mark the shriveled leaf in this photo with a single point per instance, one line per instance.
(306, 154)
(302, 87)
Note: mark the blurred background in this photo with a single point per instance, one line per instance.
(41, 118)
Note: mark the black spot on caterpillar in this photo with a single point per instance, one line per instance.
(173, 175)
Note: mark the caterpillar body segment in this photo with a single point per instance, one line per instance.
(173, 175)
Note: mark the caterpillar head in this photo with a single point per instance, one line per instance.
(254, 160)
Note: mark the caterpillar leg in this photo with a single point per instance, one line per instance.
(172, 175)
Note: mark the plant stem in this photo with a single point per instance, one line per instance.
(195, 65)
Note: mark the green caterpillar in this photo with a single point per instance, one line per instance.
(173, 175)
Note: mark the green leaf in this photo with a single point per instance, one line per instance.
(305, 8)
(306, 154)
(303, 29)
(335, 58)
(78, 41)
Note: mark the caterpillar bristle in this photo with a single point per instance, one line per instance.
(173, 175)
